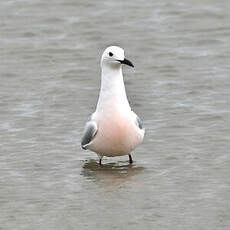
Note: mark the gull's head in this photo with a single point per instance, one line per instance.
(113, 57)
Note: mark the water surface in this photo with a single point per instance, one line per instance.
(50, 77)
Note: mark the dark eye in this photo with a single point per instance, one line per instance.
(110, 54)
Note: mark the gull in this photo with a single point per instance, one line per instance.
(113, 129)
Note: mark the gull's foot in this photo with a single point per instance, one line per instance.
(100, 160)
(130, 159)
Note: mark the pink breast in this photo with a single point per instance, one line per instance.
(116, 136)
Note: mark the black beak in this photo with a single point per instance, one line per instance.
(127, 62)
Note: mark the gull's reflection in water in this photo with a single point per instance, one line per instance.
(110, 175)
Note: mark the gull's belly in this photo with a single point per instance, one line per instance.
(117, 135)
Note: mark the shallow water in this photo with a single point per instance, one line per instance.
(50, 78)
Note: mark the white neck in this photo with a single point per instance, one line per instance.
(112, 91)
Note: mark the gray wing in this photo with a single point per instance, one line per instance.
(138, 121)
(89, 133)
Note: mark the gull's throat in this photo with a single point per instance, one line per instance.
(112, 90)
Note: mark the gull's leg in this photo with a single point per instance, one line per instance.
(130, 159)
(100, 159)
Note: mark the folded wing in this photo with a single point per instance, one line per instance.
(89, 133)
(138, 121)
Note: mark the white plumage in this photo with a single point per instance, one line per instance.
(113, 129)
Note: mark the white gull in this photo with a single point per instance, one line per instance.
(113, 129)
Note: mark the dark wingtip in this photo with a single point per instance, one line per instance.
(83, 146)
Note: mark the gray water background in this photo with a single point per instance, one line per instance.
(49, 84)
